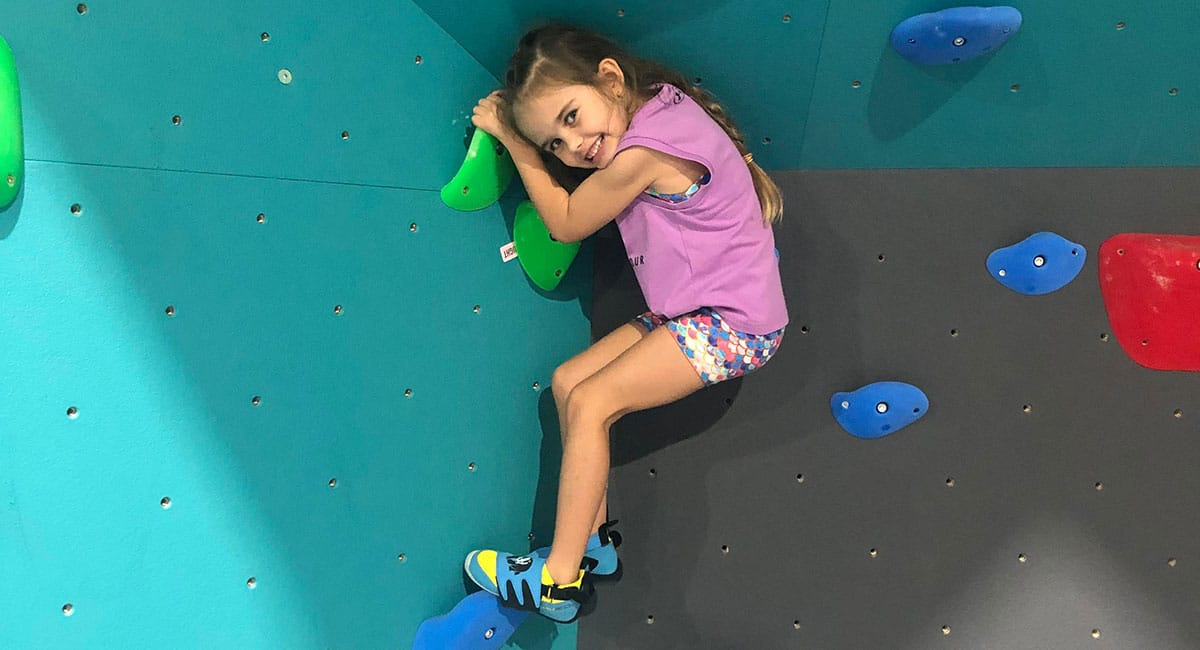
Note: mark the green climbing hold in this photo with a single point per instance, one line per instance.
(483, 177)
(12, 142)
(545, 260)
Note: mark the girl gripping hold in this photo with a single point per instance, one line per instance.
(599, 134)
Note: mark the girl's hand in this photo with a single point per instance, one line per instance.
(487, 117)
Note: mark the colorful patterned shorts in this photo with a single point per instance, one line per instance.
(716, 351)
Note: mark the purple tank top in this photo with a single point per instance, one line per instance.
(714, 249)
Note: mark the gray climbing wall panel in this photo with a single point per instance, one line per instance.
(1047, 500)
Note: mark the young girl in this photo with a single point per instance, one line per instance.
(598, 134)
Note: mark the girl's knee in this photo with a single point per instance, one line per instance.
(562, 382)
(588, 400)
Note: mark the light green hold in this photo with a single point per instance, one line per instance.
(545, 260)
(12, 141)
(483, 176)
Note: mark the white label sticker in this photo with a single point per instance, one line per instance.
(508, 252)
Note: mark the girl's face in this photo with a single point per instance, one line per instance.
(576, 123)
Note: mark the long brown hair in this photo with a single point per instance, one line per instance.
(559, 54)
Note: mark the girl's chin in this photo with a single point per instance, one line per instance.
(601, 160)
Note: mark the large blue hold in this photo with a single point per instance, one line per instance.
(955, 35)
(478, 622)
(879, 409)
(1044, 262)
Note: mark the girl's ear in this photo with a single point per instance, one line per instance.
(610, 72)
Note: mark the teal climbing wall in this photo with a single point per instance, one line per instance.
(260, 388)
(1083, 83)
(211, 330)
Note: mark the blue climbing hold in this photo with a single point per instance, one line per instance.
(879, 409)
(955, 35)
(1043, 263)
(478, 622)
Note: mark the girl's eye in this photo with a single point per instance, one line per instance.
(569, 119)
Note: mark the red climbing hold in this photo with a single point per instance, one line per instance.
(1151, 288)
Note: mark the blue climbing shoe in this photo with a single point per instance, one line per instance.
(600, 558)
(524, 582)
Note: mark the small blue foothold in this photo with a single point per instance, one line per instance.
(1043, 263)
(478, 622)
(776, 254)
(879, 409)
(955, 35)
